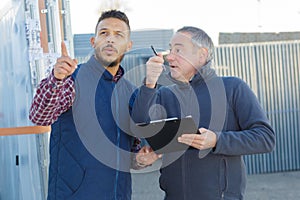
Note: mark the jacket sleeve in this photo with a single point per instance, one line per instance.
(52, 98)
(142, 110)
(255, 134)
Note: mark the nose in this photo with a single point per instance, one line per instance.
(170, 57)
(110, 38)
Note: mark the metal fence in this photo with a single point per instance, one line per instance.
(272, 71)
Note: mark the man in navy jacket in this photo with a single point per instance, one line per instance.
(230, 119)
(88, 109)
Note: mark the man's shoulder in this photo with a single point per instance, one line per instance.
(232, 81)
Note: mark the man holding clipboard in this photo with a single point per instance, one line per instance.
(226, 113)
(162, 134)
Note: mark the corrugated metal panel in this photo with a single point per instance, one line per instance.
(272, 71)
(23, 158)
(20, 166)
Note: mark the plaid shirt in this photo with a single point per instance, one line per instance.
(54, 97)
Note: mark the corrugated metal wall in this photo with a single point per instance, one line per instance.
(21, 175)
(272, 71)
(24, 158)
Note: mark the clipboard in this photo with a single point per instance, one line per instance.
(162, 134)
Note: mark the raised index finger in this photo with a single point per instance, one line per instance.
(64, 51)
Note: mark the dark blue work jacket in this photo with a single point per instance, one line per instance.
(90, 143)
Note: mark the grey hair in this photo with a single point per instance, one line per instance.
(201, 39)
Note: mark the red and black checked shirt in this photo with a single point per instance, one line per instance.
(52, 98)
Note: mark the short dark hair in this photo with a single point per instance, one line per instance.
(113, 14)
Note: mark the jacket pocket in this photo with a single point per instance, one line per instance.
(223, 182)
(79, 186)
(96, 184)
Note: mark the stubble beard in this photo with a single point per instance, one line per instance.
(107, 63)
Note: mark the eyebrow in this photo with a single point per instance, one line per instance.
(176, 44)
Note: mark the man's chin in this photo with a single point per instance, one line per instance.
(174, 75)
(177, 77)
(109, 61)
(112, 64)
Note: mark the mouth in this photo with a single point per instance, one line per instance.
(109, 50)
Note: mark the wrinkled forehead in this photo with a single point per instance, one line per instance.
(181, 38)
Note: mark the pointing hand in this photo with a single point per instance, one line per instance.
(64, 65)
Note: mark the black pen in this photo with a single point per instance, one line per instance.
(153, 50)
(157, 55)
(164, 53)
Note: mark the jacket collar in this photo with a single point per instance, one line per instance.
(205, 73)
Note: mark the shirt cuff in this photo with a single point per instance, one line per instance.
(55, 83)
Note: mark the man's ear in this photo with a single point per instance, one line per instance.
(92, 41)
(129, 45)
(203, 52)
(202, 56)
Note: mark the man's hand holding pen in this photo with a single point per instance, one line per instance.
(154, 67)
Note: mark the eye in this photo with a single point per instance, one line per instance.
(102, 33)
(177, 51)
(120, 34)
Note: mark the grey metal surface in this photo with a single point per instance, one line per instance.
(272, 71)
(20, 171)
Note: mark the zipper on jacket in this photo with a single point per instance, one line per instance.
(224, 174)
(117, 144)
(184, 185)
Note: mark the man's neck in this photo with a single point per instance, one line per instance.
(113, 70)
